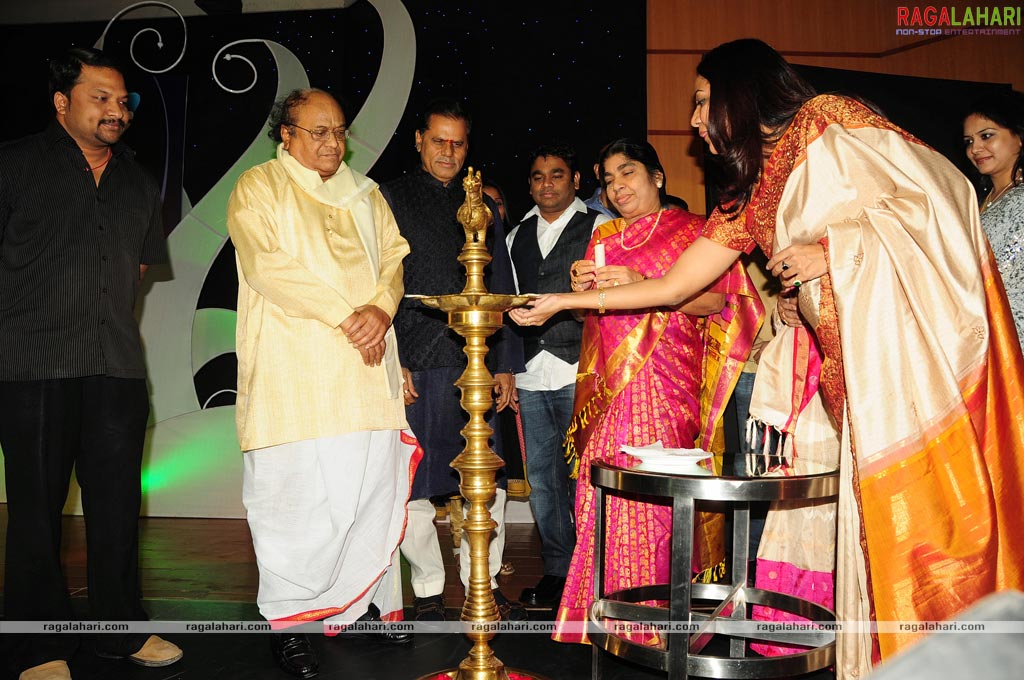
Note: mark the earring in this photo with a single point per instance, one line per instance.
(657, 184)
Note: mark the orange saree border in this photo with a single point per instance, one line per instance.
(945, 519)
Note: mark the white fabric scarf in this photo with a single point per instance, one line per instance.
(350, 190)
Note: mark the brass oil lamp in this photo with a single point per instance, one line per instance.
(476, 314)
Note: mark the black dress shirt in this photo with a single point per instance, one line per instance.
(425, 210)
(69, 259)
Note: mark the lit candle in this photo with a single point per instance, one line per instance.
(598, 254)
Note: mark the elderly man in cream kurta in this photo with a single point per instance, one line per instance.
(319, 410)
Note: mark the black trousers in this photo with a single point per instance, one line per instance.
(95, 425)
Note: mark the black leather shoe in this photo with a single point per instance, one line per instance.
(547, 592)
(509, 610)
(295, 655)
(372, 616)
(429, 609)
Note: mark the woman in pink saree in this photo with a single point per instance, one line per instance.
(640, 380)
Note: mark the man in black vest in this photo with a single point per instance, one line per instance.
(553, 235)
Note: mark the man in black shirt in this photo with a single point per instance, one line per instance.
(79, 223)
(425, 202)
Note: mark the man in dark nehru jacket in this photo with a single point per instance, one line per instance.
(425, 202)
(544, 246)
(79, 222)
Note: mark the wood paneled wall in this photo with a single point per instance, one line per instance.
(858, 35)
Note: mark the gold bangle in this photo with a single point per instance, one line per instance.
(600, 301)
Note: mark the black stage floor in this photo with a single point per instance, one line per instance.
(204, 570)
(247, 657)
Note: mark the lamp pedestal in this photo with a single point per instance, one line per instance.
(475, 315)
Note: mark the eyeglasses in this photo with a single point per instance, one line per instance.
(319, 135)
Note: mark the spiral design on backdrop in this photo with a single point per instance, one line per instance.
(229, 57)
(146, 31)
(190, 351)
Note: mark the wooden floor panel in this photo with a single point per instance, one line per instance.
(205, 570)
(213, 559)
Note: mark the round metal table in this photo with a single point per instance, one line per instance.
(686, 631)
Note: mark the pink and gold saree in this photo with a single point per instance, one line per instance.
(645, 376)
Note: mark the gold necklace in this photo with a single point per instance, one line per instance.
(622, 239)
(994, 196)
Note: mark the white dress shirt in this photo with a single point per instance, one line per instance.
(545, 371)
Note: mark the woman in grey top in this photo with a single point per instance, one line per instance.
(993, 134)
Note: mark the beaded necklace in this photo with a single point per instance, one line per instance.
(622, 239)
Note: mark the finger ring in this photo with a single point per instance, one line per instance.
(797, 284)
(406, 390)
(574, 272)
(615, 283)
(785, 266)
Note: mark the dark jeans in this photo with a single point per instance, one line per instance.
(546, 416)
(96, 425)
(437, 419)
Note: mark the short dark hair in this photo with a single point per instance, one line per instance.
(1005, 108)
(66, 69)
(641, 152)
(283, 112)
(755, 94)
(447, 108)
(558, 150)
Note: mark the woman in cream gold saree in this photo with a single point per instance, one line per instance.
(914, 353)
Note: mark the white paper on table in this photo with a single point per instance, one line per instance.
(656, 458)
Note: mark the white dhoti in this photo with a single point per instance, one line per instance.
(326, 517)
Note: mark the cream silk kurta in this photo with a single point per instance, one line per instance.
(308, 253)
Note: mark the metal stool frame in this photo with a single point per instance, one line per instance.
(681, 655)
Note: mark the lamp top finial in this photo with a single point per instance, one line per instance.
(474, 215)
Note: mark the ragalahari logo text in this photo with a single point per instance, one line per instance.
(947, 20)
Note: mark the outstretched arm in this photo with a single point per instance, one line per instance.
(704, 304)
(697, 268)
